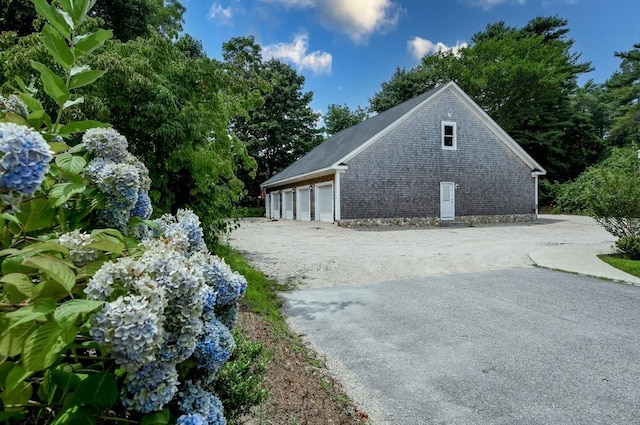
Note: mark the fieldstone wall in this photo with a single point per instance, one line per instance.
(470, 220)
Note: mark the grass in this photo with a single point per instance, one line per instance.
(621, 262)
(251, 211)
(260, 297)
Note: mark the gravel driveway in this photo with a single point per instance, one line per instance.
(316, 255)
(454, 325)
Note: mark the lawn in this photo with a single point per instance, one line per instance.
(620, 262)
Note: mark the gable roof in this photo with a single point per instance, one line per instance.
(329, 155)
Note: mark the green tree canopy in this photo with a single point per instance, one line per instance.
(285, 127)
(524, 78)
(127, 19)
(341, 117)
(624, 92)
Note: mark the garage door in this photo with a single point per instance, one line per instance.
(303, 204)
(324, 203)
(275, 205)
(287, 204)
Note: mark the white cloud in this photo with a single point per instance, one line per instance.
(418, 47)
(220, 14)
(488, 4)
(296, 53)
(358, 19)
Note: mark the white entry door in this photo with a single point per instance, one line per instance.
(324, 203)
(303, 204)
(287, 204)
(447, 201)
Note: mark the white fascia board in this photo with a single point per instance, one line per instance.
(499, 131)
(390, 127)
(311, 175)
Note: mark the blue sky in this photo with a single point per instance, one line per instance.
(347, 48)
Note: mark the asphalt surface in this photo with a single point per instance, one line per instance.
(515, 346)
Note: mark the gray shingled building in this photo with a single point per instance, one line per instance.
(435, 157)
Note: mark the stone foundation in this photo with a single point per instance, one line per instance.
(470, 220)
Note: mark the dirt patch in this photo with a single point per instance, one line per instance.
(302, 390)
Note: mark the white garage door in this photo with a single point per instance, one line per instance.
(303, 204)
(275, 205)
(324, 203)
(287, 204)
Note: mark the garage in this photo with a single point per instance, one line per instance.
(287, 204)
(275, 205)
(303, 203)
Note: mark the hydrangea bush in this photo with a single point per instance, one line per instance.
(103, 312)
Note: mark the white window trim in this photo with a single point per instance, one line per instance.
(455, 135)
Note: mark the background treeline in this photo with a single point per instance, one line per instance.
(211, 131)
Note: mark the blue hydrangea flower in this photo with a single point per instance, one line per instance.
(215, 345)
(131, 327)
(227, 314)
(143, 208)
(197, 400)
(229, 285)
(192, 419)
(14, 105)
(184, 229)
(106, 143)
(24, 161)
(150, 387)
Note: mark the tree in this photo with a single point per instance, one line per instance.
(624, 92)
(127, 19)
(341, 117)
(524, 78)
(285, 127)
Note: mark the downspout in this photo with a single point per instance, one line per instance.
(536, 196)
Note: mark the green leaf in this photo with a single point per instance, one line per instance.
(64, 377)
(36, 214)
(84, 78)
(36, 118)
(80, 9)
(43, 346)
(89, 270)
(53, 85)
(107, 246)
(54, 269)
(53, 16)
(17, 287)
(17, 376)
(70, 103)
(98, 390)
(75, 416)
(57, 46)
(49, 288)
(81, 126)
(14, 265)
(156, 418)
(18, 397)
(44, 247)
(12, 341)
(87, 43)
(62, 192)
(58, 147)
(72, 164)
(67, 313)
(11, 217)
(33, 311)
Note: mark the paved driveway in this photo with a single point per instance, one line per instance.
(515, 346)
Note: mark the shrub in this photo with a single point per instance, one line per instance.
(132, 322)
(630, 246)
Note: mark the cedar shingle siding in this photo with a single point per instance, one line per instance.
(400, 175)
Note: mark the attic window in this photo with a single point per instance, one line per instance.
(449, 135)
